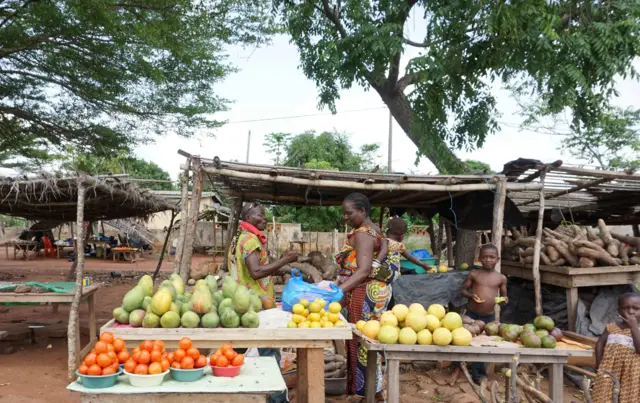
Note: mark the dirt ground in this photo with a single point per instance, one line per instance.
(36, 373)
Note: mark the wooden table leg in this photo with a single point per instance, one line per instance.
(93, 330)
(78, 344)
(572, 307)
(370, 376)
(556, 375)
(310, 363)
(393, 384)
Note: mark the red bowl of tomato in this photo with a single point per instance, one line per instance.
(226, 372)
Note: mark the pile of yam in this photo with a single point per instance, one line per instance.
(314, 268)
(335, 365)
(575, 246)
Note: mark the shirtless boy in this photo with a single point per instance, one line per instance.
(482, 287)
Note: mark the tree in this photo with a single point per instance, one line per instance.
(568, 53)
(275, 144)
(478, 167)
(103, 75)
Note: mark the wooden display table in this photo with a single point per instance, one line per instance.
(23, 246)
(310, 345)
(127, 254)
(571, 278)
(259, 378)
(477, 352)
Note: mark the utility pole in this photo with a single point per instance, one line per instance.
(248, 145)
(390, 143)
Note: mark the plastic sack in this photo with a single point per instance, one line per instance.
(297, 289)
(421, 254)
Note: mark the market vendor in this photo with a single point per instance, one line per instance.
(248, 264)
(366, 297)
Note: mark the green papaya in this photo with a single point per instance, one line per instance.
(250, 319)
(133, 299)
(201, 302)
(166, 284)
(241, 300)
(170, 320)
(146, 282)
(177, 282)
(218, 297)
(121, 315)
(229, 286)
(146, 302)
(212, 282)
(175, 308)
(210, 320)
(190, 320)
(200, 283)
(188, 295)
(256, 304)
(226, 303)
(186, 307)
(151, 320)
(136, 317)
(182, 298)
(161, 302)
(229, 319)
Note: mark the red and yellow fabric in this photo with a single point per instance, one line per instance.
(242, 246)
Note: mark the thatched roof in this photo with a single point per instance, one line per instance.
(55, 199)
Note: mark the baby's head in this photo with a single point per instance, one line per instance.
(396, 228)
(629, 305)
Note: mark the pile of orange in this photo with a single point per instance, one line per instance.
(105, 357)
(186, 356)
(226, 356)
(149, 358)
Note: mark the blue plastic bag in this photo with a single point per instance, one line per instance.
(421, 254)
(297, 289)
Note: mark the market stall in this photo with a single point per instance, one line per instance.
(24, 247)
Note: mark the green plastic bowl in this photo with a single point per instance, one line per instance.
(405, 264)
(187, 375)
(99, 381)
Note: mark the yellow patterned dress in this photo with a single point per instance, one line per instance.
(621, 359)
(241, 247)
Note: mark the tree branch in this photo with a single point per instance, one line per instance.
(415, 44)
(12, 15)
(333, 17)
(406, 81)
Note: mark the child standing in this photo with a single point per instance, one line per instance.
(618, 352)
(481, 288)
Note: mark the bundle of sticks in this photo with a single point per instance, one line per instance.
(575, 246)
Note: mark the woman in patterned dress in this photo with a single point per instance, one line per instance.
(366, 283)
(618, 353)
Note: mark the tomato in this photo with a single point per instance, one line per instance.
(90, 359)
(193, 353)
(146, 345)
(101, 347)
(238, 360)
(226, 346)
(141, 369)
(113, 356)
(115, 365)
(230, 354)
(110, 347)
(145, 357)
(222, 361)
(175, 365)
(123, 356)
(107, 337)
(108, 371)
(155, 368)
(170, 357)
(104, 360)
(201, 362)
(179, 354)
(185, 343)
(158, 345)
(136, 356)
(94, 370)
(118, 344)
(165, 364)
(187, 363)
(156, 356)
(130, 366)
(83, 369)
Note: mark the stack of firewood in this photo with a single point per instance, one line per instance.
(574, 246)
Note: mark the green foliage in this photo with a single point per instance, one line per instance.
(103, 75)
(566, 52)
(478, 167)
(275, 143)
(11, 221)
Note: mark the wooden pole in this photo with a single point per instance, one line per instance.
(449, 245)
(390, 159)
(498, 224)
(440, 238)
(164, 245)
(184, 213)
(636, 230)
(536, 250)
(233, 227)
(194, 209)
(73, 329)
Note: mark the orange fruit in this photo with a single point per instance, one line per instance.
(187, 363)
(230, 354)
(141, 369)
(179, 354)
(185, 343)
(108, 371)
(201, 362)
(123, 356)
(175, 365)
(113, 356)
(145, 357)
(90, 359)
(101, 347)
(226, 346)
(115, 365)
(193, 353)
(156, 356)
(107, 337)
(165, 364)
(83, 369)
(118, 344)
(146, 345)
(110, 347)
(94, 370)
(222, 361)
(130, 366)
(135, 349)
(155, 368)
(238, 360)
(170, 357)
(104, 360)
(158, 345)
(136, 356)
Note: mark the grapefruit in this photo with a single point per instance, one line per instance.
(371, 329)
(432, 323)
(452, 321)
(407, 336)
(388, 334)
(461, 337)
(400, 311)
(388, 318)
(416, 321)
(416, 307)
(424, 337)
(437, 310)
(442, 336)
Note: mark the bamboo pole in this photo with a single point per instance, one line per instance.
(498, 225)
(164, 245)
(367, 186)
(73, 329)
(233, 226)
(192, 222)
(184, 213)
(449, 245)
(537, 247)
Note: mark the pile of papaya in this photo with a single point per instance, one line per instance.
(171, 306)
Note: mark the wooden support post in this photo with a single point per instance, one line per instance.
(233, 226)
(370, 376)
(498, 225)
(449, 245)
(73, 329)
(164, 245)
(572, 307)
(556, 374)
(194, 209)
(393, 371)
(310, 386)
(215, 232)
(536, 249)
(184, 213)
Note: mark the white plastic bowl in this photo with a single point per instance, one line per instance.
(144, 381)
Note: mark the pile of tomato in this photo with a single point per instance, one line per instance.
(149, 358)
(186, 356)
(226, 356)
(105, 357)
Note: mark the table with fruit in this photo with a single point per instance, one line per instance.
(414, 333)
(216, 312)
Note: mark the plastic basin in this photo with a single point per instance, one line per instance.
(226, 372)
(98, 381)
(186, 375)
(144, 381)
(335, 386)
(405, 264)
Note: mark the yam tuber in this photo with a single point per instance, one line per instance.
(590, 245)
(527, 252)
(605, 234)
(526, 242)
(310, 272)
(592, 235)
(597, 255)
(631, 240)
(554, 234)
(528, 260)
(553, 253)
(634, 260)
(516, 233)
(562, 248)
(544, 259)
(577, 232)
(585, 262)
(599, 242)
(624, 254)
(559, 262)
(614, 248)
(332, 366)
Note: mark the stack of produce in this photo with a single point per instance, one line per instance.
(186, 356)
(149, 358)
(226, 356)
(313, 315)
(542, 333)
(171, 307)
(575, 247)
(105, 357)
(414, 324)
(335, 365)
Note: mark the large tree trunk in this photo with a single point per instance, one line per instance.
(184, 216)
(466, 243)
(192, 222)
